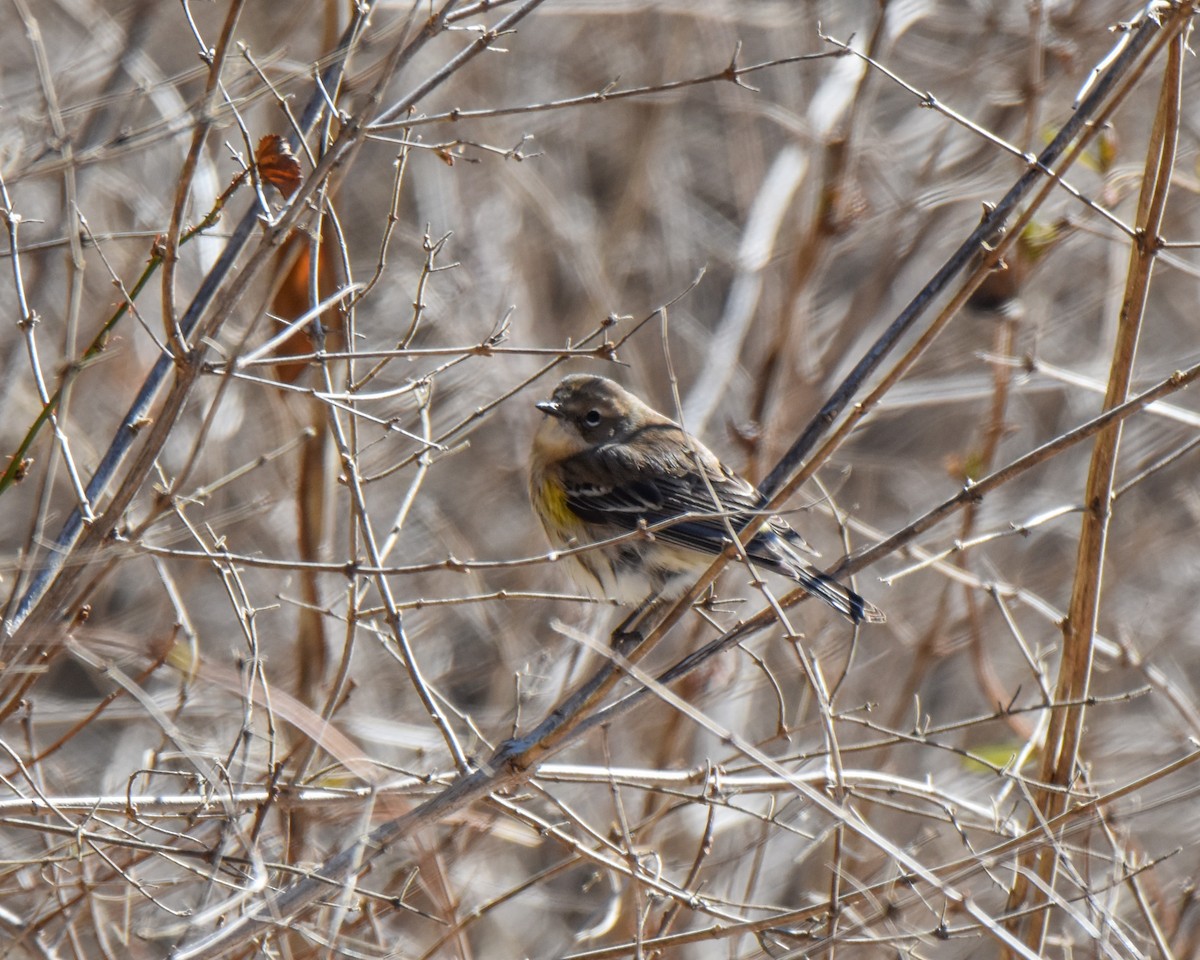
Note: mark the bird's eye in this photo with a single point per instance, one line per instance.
(591, 418)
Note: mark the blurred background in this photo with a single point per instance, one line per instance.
(483, 239)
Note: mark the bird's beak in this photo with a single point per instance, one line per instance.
(551, 407)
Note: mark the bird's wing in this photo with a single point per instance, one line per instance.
(611, 486)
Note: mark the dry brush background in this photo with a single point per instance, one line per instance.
(289, 687)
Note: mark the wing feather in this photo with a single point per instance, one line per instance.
(619, 486)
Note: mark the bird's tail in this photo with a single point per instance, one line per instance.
(844, 600)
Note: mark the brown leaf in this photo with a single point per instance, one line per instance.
(292, 297)
(277, 165)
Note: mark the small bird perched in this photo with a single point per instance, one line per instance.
(605, 464)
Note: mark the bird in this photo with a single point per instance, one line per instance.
(608, 469)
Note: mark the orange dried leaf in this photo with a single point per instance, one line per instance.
(293, 297)
(277, 165)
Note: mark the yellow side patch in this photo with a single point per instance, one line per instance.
(554, 504)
